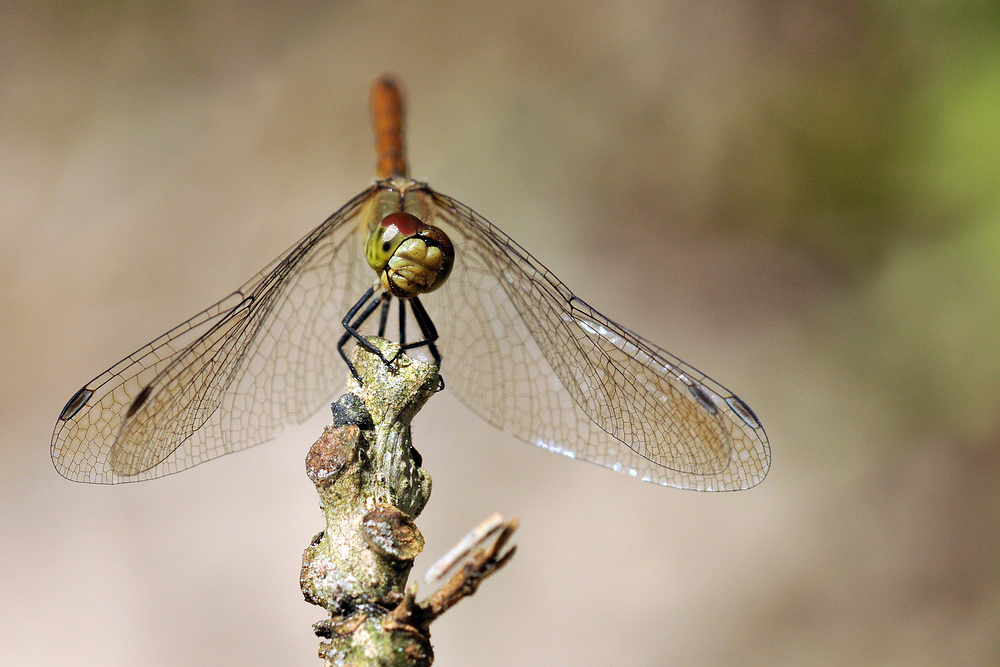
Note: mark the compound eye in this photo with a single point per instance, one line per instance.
(407, 223)
(387, 235)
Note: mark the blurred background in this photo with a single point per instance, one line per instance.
(799, 198)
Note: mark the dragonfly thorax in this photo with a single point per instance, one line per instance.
(410, 256)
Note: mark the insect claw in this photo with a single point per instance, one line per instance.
(354, 372)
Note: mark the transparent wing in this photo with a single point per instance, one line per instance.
(230, 377)
(531, 358)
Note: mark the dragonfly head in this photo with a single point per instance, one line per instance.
(410, 257)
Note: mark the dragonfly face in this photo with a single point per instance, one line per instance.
(409, 256)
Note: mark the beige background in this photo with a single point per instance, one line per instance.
(743, 183)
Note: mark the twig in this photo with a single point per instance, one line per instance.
(475, 537)
(371, 488)
(465, 581)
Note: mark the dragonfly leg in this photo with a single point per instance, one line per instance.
(351, 329)
(384, 317)
(430, 333)
(363, 309)
(427, 328)
(402, 323)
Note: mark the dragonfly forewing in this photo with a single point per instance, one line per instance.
(231, 377)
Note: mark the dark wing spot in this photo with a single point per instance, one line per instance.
(138, 401)
(79, 400)
(703, 398)
(743, 411)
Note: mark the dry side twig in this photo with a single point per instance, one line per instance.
(464, 582)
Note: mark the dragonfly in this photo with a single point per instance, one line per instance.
(517, 347)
